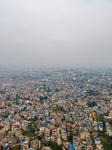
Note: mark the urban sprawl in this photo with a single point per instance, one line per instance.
(56, 109)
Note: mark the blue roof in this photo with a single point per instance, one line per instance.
(14, 103)
(77, 87)
(71, 147)
(41, 112)
(52, 86)
(70, 95)
(26, 123)
(99, 124)
(98, 139)
(47, 120)
(9, 117)
(87, 121)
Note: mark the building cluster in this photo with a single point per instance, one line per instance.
(70, 107)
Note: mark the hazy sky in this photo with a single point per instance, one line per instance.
(55, 32)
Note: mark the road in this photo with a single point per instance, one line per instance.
(59, 142)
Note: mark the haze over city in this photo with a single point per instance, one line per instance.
(55, 74)
(56, 33)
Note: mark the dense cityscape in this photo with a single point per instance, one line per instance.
(55, 75)
(51, 109)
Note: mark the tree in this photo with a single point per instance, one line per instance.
(17, 147)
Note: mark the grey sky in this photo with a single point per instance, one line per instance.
(55, 32)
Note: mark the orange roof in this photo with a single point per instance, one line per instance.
(77, 140)
(65, 144)
(21, 127)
